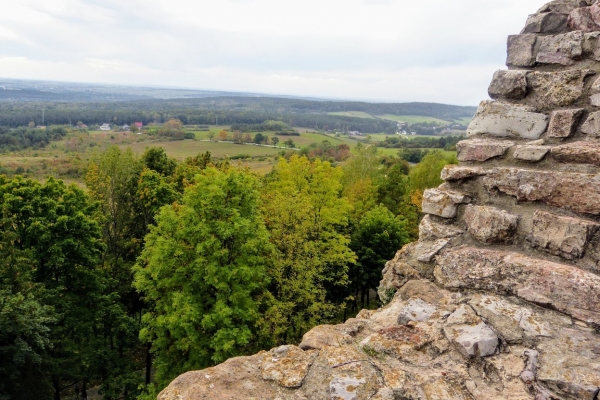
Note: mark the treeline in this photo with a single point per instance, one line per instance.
(225, 111)
(168, 267)
(280, 127)
(443, 142)
(22, 138)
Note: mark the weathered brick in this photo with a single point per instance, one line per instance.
(564, 122)
(531, 153)
(578, 153)
(508, 85)
(521, 50)
(561, 49)
(490, 224)
(482, 149)
(453, 172)
(443, 203)
(562, 236)
(502, 119)
(578, 192)
(562, 287)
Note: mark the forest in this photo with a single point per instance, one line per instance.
(158, 266)
(228, 111)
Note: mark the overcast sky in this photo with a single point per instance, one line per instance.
(384, 50)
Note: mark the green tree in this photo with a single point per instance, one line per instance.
(375, 240)
(275, 140)
(58, 244)
(203, 270)
(156, 159)
(305, 216)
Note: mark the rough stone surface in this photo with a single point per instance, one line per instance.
(502, 119)
(416, 310)
(471, 336)
(582, 19)
(443, 203)
(521, 50)
(431, 230)
(564, 6)
(508, 85)
(578, 153)
(560, 286)
(482, 150)
(557, 89)
(531, 153)
(455, 172)
(510, 311)
(578, 192)
(546, 23)
(591, 126)
(564, 122)
(562, 236)
(561, 49)
(490, 225)
(286, 365)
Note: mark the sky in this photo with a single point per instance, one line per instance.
(375, 50)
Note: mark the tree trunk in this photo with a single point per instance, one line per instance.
(56, 383)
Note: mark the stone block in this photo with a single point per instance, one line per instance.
(595, 91)
(550, 90)
(551, 22)
(565, 288)
(562, 236)
(430, 230)
(591, 126)
(416, 310)
(564, 122)
(501, 119)
(508, 85)
(443, 203)
(582, 19)
(453, 172)
(470, 335)
(482, 149)
(578, 192)
(564, 6)
(521, 50)
(428, 250)
(490, 224)
(561, 49)
(578, 153)
(531, 153)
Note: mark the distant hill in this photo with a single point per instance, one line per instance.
(22, 101)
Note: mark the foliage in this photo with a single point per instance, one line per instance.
(305, 216)
(203, 270)
(173, 129)
(375, 240)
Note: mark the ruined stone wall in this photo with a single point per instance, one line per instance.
(500, 297)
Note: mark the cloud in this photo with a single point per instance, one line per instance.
(392, 50)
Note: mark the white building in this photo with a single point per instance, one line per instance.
(105, 127)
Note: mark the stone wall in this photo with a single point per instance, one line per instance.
(500, 297)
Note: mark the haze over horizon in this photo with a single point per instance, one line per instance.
(372, 50)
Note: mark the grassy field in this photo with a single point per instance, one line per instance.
(411, 119)
(67, 159)
(181, 149)
(356, 114)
